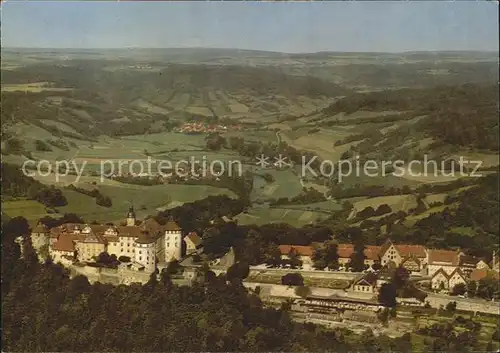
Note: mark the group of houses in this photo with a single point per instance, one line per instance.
(444, 268)
(204, 128)
(148, 246)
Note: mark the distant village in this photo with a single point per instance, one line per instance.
(196, 128)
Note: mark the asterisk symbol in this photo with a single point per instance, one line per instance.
(262, 161)
(281, 161)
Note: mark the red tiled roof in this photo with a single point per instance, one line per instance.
(129, 231)
(301, 250)
(443, 256)
(64, 243)
(408, 250)
(371, 251)
(345, 250)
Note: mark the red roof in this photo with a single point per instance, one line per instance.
(408, 250)
(301, 250)
(480, 273)
(371, 251)
(444, 257)
(64, 243)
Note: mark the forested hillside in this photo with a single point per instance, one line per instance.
(464, 115)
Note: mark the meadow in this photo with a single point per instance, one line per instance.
(286, 184)
(147, 200)
(29, 209)
(260, 215)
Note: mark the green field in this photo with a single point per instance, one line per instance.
(297, 218)
(324, 206)
(286, 184)
(29, 209)
(146, 199)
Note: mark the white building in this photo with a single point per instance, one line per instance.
(173, 241)
(193, 243)
(145, 252)
(145, 245)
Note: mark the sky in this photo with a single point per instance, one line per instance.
(362, 26)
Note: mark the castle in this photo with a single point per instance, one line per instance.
(144, 247)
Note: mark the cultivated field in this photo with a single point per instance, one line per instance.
(33, 87)
(29, 209)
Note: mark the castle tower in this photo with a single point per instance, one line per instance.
(173, 241)
(131, 217)
(145, 251)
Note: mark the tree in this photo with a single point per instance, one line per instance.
(292, 279)
(357, 260)
(471, 289)
(272, 255)
(215, 142)
(78, 285)
(376, 266)
(451, 306)
(387, 295)
(104, 201)
(107, 260)
(400, 277)
(294, 259)
(238, 272)
(173, 267)
(383, 209)
(459, 289)
(124, 259)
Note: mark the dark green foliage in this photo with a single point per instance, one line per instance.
(14, 146)
(292, 279)
(307, 196)
(387, 295)
(42, 146)
(238, 272)
(357, 260)
(326, 256)
(104, 201)
(459, 289)
(451, 306)
(100, 199)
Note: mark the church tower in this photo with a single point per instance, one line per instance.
(131, 217)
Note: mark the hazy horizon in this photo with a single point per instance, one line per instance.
(292, 28)
(253, 50)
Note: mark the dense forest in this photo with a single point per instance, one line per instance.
(16, 184)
